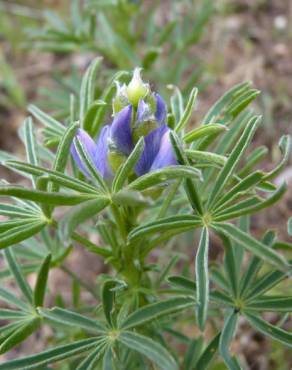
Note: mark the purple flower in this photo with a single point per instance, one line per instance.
(116, 141)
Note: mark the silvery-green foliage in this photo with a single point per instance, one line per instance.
(212, 189)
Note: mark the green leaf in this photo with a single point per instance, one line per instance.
(12, 210)
(46, 120)
(176, 103)
(41, 283)
(188, 110)
(154, 351)
(236, 191)
(107, 363)
(233, 159)
(230, 265)
(183, 282)
(163, 175)
(178, 223)
(54, 176)
(88, 87)
(270, 330)
(250, 205)
(254, 266)
(264, 283)
(189, 185)
(50, 356)
(88, 164)
(216, 110)
(43, 196)
(155, 310)
(63, 151)
(200, 156)
(108, 297)
(8, 297)
(127, 167)
(79, 214)
(285, 146)
(92, 114)
(21, 233)
(270, 303)
(7, 314)
(89, 363)
(30, 143)
(203, 131)
(18, 275)
(208, 353)
(66, 317)
(202, 279)
(20, 334)
(251, 244)
(225, 341)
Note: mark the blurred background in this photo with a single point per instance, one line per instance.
(45, 46)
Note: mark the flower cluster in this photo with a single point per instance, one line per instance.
(138, 112)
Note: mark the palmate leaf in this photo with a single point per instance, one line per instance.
(51, 356)
(154, 351)
(270, 330)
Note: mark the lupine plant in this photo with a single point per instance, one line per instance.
(125, 170)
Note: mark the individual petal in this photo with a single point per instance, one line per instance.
(143, 112)
(161, 109)
(101, 154)
(165, 156)
(151, 149)
(88, 144)
(120, 131)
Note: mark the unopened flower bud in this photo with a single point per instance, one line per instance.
(137, 89)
